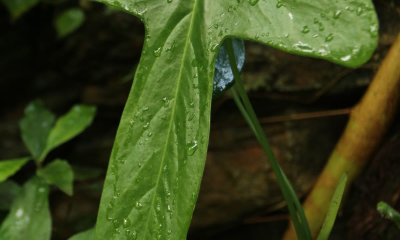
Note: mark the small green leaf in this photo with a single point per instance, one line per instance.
(35, 127)
(69, 20)
(223, 76)
(8, 192)
(69, 126)
(29, 217)
(389, 213)
(58, 173)
(10, 167)
(333, 209)
(86, 173)
(86, 235)
(18, 7)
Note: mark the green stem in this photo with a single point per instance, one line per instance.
(242, 110)
(301, 227)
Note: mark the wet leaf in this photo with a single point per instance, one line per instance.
(35, 127)
(160, 149)
(69, 126)
(223, 76)
(18, 7)
(69, 20)
(8, 192)
(29, 217)
(58, 173)
(86, 235)
(10, 167)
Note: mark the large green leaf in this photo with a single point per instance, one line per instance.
(159, 153)
(18, 7)
(10, 167)
(9, 190)
(35, 127)
(29, 218)
(86, 235)
(58, 173)
(68, 126)
(69, 20)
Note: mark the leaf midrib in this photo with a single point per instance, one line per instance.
(173, 110)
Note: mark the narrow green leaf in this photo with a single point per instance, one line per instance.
(86, 235)
(8, 192)
(69, 20)
(223, 76)
(69, 126)
(58, 173)
(159, 153)
(333, 209)
(18, 7)
(390, 213)
(10, 167)
(29, 217)
(35, 127)
(86, 173)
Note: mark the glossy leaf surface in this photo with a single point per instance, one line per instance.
(29, 217)
(223, 76)
(69, 126)
(35, 127)
(18, 7)
(69, 20)
(9, 190)
(10, 167)
(58, 173)
(86, 235)
(158, 157)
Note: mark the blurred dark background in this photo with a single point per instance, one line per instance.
(239, 197)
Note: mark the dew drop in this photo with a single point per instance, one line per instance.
(146, 126)
(215, 47)
(166, 102)
(169, 1)
(138, 205)
(126, 222)
(337, 14)
(157, 52)
(253, 2)
(280, 4)
(306, 29)
(192, 147)
(257, 36)
(116, 223)
(329, 38)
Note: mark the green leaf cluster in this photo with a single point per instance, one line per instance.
(29, 217)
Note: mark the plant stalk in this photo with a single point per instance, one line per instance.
(292, 201)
